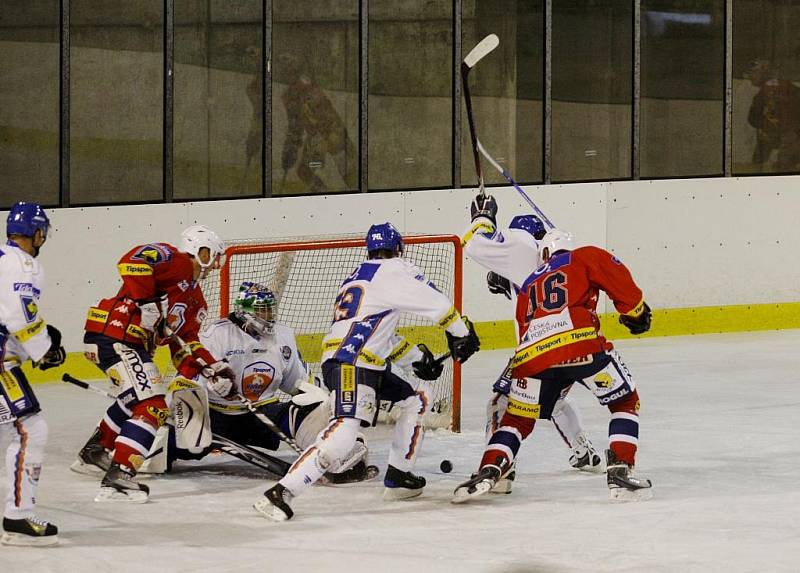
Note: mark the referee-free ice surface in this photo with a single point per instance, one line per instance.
(720, 429)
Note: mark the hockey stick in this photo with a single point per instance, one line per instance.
(261, 460)
(521, 191)
(483, 48)
(263, 418)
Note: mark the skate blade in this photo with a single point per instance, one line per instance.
(266, 509)
(398, 493)
(462, 494)
(372, 473)
(86, 469)
(623, 495)
(20, 540)
(503, 486)
(111, 495)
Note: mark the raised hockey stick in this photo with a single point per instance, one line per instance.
(510, 179)
(477, 53)
(261, 460)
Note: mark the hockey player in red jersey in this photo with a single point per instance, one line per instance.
(160, 296)
(561, 343)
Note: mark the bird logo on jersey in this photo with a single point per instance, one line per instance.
(30, 308)
(256, 378)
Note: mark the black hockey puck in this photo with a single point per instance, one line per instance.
(446, 466)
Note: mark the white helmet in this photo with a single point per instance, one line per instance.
(554, 240)
(196, 237)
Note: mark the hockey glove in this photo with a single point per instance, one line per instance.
(55, 355)
(484, 206)
(462, 347)
(639, 324)
(427, 367)
(498, 284)
(220, 379)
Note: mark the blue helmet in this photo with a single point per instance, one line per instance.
(25, 218)
(384, 237)
(530, 223)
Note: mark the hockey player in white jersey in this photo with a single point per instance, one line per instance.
(357, 352)
(264, 358)
(511, 255)
(23, 335)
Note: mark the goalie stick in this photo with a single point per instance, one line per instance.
(275, 466)
(477, 53)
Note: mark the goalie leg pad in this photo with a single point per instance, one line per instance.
(192, 419)
(307, 421)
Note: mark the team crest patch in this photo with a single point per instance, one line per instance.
(286, 352)
(256, 378)
(153, 254)
(29, 307)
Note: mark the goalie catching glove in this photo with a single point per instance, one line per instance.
(462, 347)
(637, 324)
(427, 367)
(55, 355)
(498, 284)
(221, 379)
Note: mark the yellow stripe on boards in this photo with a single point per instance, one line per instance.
(500, 334)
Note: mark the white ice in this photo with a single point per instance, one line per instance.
(719, 439)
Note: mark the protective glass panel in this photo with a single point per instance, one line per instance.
(592, 89)
(410, 94)
(506, 88)
(116, 101)
(315, 113)
(766, 86)
(29, 102)
(218, 99)
(682, 87)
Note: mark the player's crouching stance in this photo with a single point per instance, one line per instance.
(264, 358)
(23, 335)
(361, 340)
(562, 344)
(119, 338)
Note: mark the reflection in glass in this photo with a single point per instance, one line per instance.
(29, 102)
(592, 89)
(315, 111)
(116, 107)
(506, 88)
(218, 99)
(410, 94)
(766, 86)
(682, 88)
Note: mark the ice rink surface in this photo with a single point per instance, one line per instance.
(720, 439)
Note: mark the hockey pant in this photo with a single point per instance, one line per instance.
(27, 435)
(530, 399)
(356, 392)
(131, 422)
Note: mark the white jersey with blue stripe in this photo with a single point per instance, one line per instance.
(262, 365)
(23, 333)
(367, 311)
(511, 253)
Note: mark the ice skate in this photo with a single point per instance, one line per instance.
(358, 473)
(275, 504)
(584, 457)
(506, 482)
(93, 459)
(118, 486)
(30, 531)
(486, 478)
(623, 485)
(401, 485)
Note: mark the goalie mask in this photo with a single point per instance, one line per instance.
(256, 309)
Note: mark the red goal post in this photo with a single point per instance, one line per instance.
(305, 275)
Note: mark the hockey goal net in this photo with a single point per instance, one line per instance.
(305, 275)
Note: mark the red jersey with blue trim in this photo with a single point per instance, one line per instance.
(556, 308)
(149, 272)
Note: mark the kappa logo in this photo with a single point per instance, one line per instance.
(116, 322)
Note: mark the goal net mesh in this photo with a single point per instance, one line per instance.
(305, 275)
